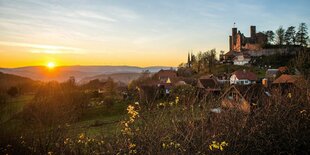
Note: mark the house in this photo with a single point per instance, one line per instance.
(233, 99)
(228, 57)
(271, 74)
(283, 69)
(243, 77)
(243, 98)
(287, 84)
(209, 85)
(164, 75)
(167, 79)
(241, 59)
(287, 79)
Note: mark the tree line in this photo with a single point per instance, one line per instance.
(202, 62)
(290, 36)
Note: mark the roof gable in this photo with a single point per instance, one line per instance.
(245, 75)
(285, 78)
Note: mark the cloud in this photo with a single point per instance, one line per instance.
(47, 49)
(94, 15)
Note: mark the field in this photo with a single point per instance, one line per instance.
(94, 121)
(13, 107)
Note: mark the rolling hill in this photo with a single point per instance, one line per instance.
(117, 77)
(8, 80)
(63, 73)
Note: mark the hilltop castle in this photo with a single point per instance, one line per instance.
(241, 48)
(238, 42)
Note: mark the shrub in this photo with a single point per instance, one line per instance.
(55, 103)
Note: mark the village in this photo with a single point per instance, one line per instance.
(241, 88)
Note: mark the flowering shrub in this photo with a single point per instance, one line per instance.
(128, 130)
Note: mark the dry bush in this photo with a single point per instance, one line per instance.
(55, 104)
(279, 126)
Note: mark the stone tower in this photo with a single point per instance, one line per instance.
(253, 32)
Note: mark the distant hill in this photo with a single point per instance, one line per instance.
(8, 80)
(117, 77)
(63, 73)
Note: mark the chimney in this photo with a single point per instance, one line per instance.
(253, 31)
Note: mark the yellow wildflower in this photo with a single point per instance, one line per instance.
(82, 136)
(164, 145)
(217, 145)
(177, 100)
(132, 145)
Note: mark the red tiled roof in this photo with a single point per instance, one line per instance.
(245, 75)
(230, 53)
(167, 73)
(282, 69)
(285, 78)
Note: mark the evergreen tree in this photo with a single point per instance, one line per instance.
(302, 35)
(270, 37)
(289, 37)
(280, 33)
(188, 61)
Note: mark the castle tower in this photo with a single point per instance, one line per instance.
(234, 36)
(253, 32)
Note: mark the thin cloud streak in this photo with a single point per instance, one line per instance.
(48, 49)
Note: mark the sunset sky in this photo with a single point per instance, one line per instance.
(131, 32)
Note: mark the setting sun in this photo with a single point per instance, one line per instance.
(50, 65)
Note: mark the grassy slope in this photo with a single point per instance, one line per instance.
(94, 121)
(14, 106)
(101, 119)
(231, 68)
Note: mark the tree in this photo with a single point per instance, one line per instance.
(302, 35)
(222, 55)
(197, 64)
(211, 60)
(302, 62)
(289, 37)
(270, 36)
(13, 91)
(146, 73)
(280, 33)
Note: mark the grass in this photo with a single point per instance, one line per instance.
(101, 120)
(14, 106)
(95, 121)
(231, 68)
